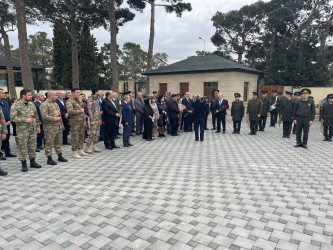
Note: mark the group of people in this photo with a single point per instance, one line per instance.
(37, 122)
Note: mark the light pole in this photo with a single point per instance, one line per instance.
(204, 45)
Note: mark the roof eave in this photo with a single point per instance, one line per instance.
(255, 72)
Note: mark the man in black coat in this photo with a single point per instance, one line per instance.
(187, 113)
(237, 113)
(213, 108)
(64, 116)
(110, 117)
(221, 107)
(173, 114)
(326, 116)
(304, 115)
(265, 111)
(199, 117)
(287, 109)
(273, 103)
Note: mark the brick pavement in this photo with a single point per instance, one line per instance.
(228, 192)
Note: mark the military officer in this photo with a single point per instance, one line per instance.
(304, 114)
(287, 109)
(95, 119)
(24, 114)
(3, 134)
(53, 127)
(75, 109)
(326, 116)
(213, 108)
(265, 111)
(237, 113)
(254, 110)
(296, 98)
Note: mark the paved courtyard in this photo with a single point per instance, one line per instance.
(228, 192)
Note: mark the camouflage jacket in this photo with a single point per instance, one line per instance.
(94, 109)
(20, 112)
(3, 126)
(74, 107)
(50, 111)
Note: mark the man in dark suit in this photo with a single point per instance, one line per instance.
(286, 110)
(187, 113)
(4, 105)
(265, 111)
(110, 117)
(213, 107)
(138, 104)
(173, 114)
(127, 120)
(273, 103)
(40, 98)
(64, 116)
(221, 110)
(199, 117)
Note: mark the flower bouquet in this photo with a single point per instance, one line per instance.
(119, 108)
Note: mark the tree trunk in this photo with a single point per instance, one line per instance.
(113, 46)
(272, 48)
(9, 63)
(324, 37)
(151, 44)
(23, 46)
(74, 47)
(240, 57)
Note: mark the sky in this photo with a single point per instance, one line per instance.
(178, 37)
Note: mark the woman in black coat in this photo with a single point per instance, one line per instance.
(148, 114)
(162, 119)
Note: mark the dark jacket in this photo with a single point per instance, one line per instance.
(63, 110)
(37, 104)
(199, 110)
(127, 114)
(287, 109)
(109, 111)
(237, 111)
(326, 114)
(173, 109)
(254, 108)
(218, 106)
(304, 109)
(213, 105)
(265, 106)
(147, 111)
(5, 109)
(274, 100)
(187, 103)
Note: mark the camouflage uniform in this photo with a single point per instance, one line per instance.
(3, 126)
(26, 132)
(94, 116)
(52, 127)
(76, 121)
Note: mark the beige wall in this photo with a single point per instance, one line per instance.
(228, 82)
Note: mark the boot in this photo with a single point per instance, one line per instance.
(50, 161)
(96, 149)
(62, 159)
(3, 173)
(24, 166)
(33, 164)
(88, 150)
(81, 153)
(76, 155)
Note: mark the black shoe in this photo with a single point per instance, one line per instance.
(119, 134)
(159, 135)
(163, 135)
(206, 129)
(217, 131)
(37, 150)
(137, 133)
(33, 164)
(298, 145)
(24, 166)
(61, 158)
(115, 146)
(201, 139)
(288, 136)
(109, 148)
(223, 131)
(131, 145)
(238, 132)
(213, 129)
(196, 139)
(234, 132)
(2, 158)
(255, 133)
(10, 155)
(294, 133)
(284, 136)
(117, 137)
(174, 134)
(67, 143)
(40, 148)
(326, 139)
(50, 161)
(3, 173)
(329, 139)
(251, 133)
(304, 146)
(126, 145)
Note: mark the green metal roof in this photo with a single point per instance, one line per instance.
(16, 64)
(202, 64)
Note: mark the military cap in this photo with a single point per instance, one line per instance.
(297, 94)
(274, 91)
(280, 93)
(305, 91)
(330, 96)
(264, 92)
(255, 93)
(128, 92)
(289, 93)
(216, 91)
(237, 95)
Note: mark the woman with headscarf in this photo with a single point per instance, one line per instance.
(162, 111)
(148, 123)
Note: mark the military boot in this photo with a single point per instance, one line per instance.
(50, 161)
(24, 166)
(33, 164)
(61, 158)
(96, 149)
(76, 155)
(81, 153)
(3, 173)
(88, 150)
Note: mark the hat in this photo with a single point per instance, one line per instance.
(216, 91)
(264, 92)
(174, 95)
(289, 93)
(280, 93)
(274, 91)
(305, 91)
(297, 94)
(237, 95)
(255, 93)
(128, 92)
(330, 96)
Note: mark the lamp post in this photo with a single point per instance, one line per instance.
(204, 44)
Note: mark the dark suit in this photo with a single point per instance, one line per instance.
(138, 104)
(110, 118)
(127, 118)
(187, 102)
(40, 136)
(173, 116)
(263, 115)
(221, 114)
(199, 117)
(286, 110)
(65, 121)
(274, 113)
(6, 112)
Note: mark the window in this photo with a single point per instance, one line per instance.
(163, 88)
(209, 87)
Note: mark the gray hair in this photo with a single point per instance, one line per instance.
(49, 93)
(125, 97)
(39, 94)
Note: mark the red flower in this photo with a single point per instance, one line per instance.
(120, 105)
(82, 105)
(0, 121)
(33, 116)
(168, 123)
(225, 107)
(158, 129)
(103, 123)
(59, 115)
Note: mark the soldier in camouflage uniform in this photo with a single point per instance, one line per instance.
(3, 134)
(95, 119)
(75, 110)
(53, 127)
(24, 114)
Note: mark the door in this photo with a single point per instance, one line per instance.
(246, 91)
(184, 87)
(209, 88)
(163, 88)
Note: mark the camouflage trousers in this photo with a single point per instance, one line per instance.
(77, 134)
(27, 143)
(53, 137)
(94, 133)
